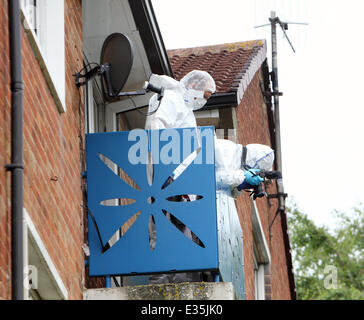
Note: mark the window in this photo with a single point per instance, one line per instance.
(94, 103)
(30, 10)
(44, 25)
(41, 278)
(259, 283)
(261, 255)
(90, 119)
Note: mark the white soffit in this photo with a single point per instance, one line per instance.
(102, 18)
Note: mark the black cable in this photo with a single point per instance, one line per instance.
(96, 227)
(87, 65)
(147, 114)
(78, 75)
(116, 281)
(276, 214)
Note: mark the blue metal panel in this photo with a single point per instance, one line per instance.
(230, 238)
(237, 261)
(132, 253)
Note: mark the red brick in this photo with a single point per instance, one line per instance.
(45, 155)
(253, 128)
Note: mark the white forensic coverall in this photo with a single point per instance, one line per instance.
(228, 161)
(229, 174)
(172, 111)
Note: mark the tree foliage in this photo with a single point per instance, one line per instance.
(329, 264)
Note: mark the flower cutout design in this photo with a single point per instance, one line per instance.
(147, 216)
(155, 208)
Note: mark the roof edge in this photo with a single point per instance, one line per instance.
(216, 48)
(220, 100)
(150, 34)
(251, 66)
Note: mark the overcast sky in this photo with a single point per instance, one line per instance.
(322, 107)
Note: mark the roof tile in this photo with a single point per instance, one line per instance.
(227, 63)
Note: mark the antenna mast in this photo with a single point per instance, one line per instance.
(274, 78)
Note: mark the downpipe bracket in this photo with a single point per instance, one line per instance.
(277, 195)
(13, 166)
(17, 86)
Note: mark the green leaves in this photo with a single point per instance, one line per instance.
(329, 264)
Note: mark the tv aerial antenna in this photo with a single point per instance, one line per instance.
(274, 20)
(284, 26)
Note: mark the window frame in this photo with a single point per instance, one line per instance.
(28, 8)
(47, 40)
(261, 254)
(50, 276)
(259, 277)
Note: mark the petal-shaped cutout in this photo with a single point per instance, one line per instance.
(118, 171)
(117, 202)
(181, 167)
(183, 228)
(185, 198)
(152, 232)
(150, 168)
(121, 232)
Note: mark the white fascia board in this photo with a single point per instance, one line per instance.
(253, 67)
(259, 237)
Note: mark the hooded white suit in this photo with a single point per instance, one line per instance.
(179, 101)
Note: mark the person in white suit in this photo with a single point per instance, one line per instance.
(175, 110)
(180, 99)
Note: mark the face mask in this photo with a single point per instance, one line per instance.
(199, 103)
(265, 162)
(194, 99)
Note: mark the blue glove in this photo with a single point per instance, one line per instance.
(252, 177)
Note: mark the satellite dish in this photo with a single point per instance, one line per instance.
(117, 56)
(116, 62)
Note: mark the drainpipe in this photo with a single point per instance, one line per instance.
(16, 167)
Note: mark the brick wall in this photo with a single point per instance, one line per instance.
(52, 159)
(253, 128)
